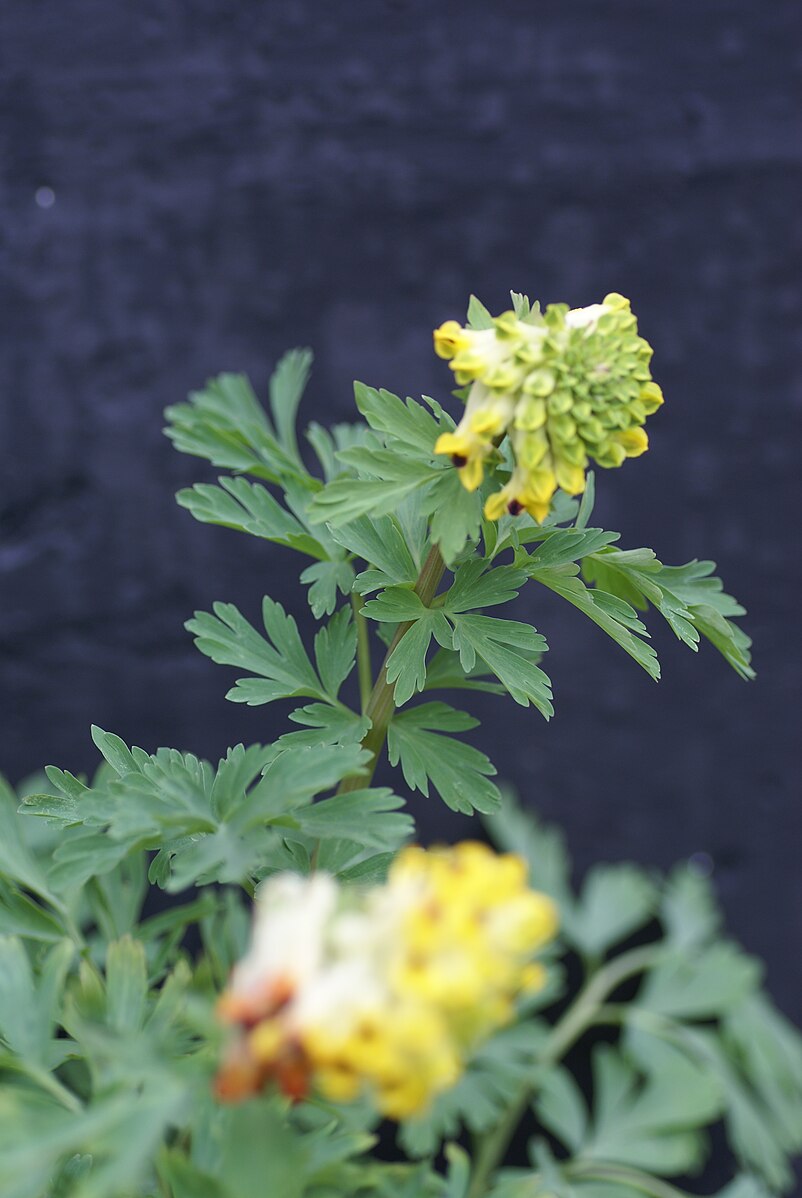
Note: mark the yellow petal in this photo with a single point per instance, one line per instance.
(338, 1083)
(472, 473)
(570, 478)
(495, 506)
(531, 449)
(539, 511)
(541, 485)
(469, 363)
(487, 421)
(530, 413)
(265, 1040)
(449, 339)
(450, 443)
(533, 978)
(634, 440)
(651, 396)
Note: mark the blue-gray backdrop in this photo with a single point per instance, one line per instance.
(191, 187)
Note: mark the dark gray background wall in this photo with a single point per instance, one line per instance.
(230, 179)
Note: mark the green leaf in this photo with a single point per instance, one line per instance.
(690, 597)
(561, 1108)
(210, 825)
(759, 1139)
(515, 830)
(249, 507)
(185, 1179)
(476, 586)
(226, 424)
(17, 861)
(733, 644)
(287, 384)
(335, 652)
(478, 315)
(615, 901)
(328, 442)
(21, 916)
(408, 426)
(28, 1004)
(756, 1139)
(611, 614)
(294, 776)
(406, 665)
(458, 772)
(744, 1187)
(768, 1050)
(178, 919)
(327, 580)
(126, 985)
(652, 1124)
(459, 1171)
(444, 672)
(369, 817)
(689, 910)
(456, 514)
(388, 478)
(395, 605)
(325, 725)
(504, 646)
(60, 805)
(520, 304)
(379, 541)
(115, 899)
(701, 984)
(587, 501)
(492, 1081)
(75, 1169)
(564, 545)
(260, 1154)
(368, 872)
(121, 759)
(279, 659)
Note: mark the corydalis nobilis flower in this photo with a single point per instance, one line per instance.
(382, 991)
(569, 387)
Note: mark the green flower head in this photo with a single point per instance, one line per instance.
(567, 387)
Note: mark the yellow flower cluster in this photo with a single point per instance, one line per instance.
(385, 991)
(569, 387)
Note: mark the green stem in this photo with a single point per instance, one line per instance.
(362, 653)
(579, 1016)
(53, 1086)
(380, 706)
(633, 1178)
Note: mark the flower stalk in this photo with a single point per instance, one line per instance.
(576, 1020)
(381, 705)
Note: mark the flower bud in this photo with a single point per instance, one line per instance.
(580, 377)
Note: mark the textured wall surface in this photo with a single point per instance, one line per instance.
(229, 179)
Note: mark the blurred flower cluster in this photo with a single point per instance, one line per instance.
(385, 990)
(569, 387)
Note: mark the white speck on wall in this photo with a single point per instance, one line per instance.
(45, 197)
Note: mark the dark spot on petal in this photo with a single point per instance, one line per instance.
(514, 507)
(459, 460)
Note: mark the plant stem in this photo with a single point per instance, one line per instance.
(362, 653)
(633, 1178)
(380, 705)
(566, 1031)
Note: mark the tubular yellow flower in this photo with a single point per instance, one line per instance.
(487, 416)
(570, 387)
(392, 986)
